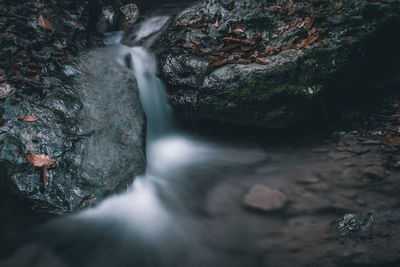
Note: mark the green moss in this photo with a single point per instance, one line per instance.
(317, 88)
(264, 23)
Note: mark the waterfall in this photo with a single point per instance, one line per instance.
(155, 222)
(152, 94)
(140, 208)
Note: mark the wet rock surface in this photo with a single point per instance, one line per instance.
(91, 124)
(37, 39)
(267, 63)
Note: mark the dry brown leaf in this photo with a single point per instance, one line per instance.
(321, 43)
(218, 63)
(263, 61)
(216, 24)
(306, 42)
(239, 30)
(308, 22)
(274, 8)
(41, 160)
(393, 141)
(393, 128)
(76, 24)
(192, 21)
(338, 6)
(230, 47)
(28, 118)
(233, 39)
(272, 51)
(44, 23)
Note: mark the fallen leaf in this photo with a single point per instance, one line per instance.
(338, 6)
(272, 51)
(230, 47)
(308, 23)
(218, 63)
(263, 61)
(28, 118)
(306, 42)
(321, 43)
(239, 30)
(17, 72)
(192, 21)
(274, 8)
(206, 50)
(76, 24)
(41, 160)
(44, 23)
(392, 141)
(393, 128)
(216, 24)
(233, 39)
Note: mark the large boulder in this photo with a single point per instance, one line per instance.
(267, 63)
(90, 127)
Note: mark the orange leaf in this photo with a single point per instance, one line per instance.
(41, 160)
(245, 41)
(28, 118)
(192, 21)
(44, 23)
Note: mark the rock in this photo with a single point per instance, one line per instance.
(353, 223)
(375, 172)
(338, 19)
(129, 15)
(320, 150)
(214, 58)
(382, 231)
(309, 180)
(92, 126)
(6, 90)
(264, 198)
(142, 34)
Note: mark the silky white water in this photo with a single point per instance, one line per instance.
(140, 209)
(162, 219)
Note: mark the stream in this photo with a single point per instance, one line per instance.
(187, 209)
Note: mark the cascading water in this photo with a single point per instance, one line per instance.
(152, 94)
(155, 223)
(140, 207)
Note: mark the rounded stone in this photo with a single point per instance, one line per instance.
(263, 198)
(6, 90)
